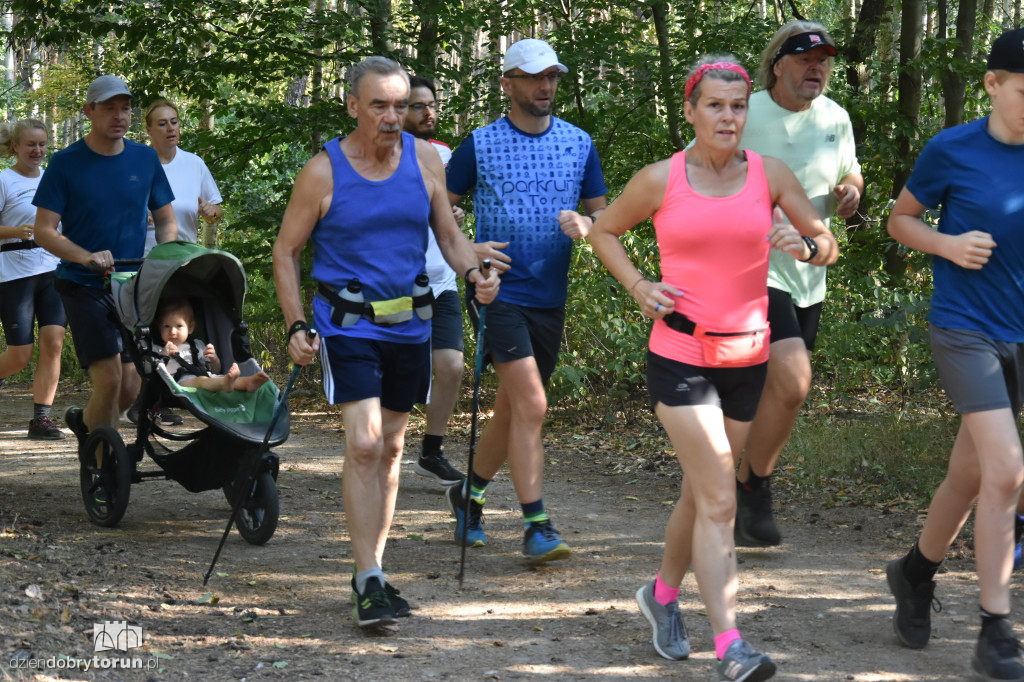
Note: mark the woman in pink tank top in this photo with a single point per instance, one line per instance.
(712, 207)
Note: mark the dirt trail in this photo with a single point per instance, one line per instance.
(818, 604)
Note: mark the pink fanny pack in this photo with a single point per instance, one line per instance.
(722, 348)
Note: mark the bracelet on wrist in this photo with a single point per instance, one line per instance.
(469, 272)
(630, 290)
(297, 326)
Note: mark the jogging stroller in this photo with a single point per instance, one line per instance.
(231, 450)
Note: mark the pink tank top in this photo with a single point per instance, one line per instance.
(715, 251)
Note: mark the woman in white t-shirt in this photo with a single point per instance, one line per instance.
(195, 192)
(27, 293)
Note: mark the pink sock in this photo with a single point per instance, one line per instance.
(663, 594)
(723, 641)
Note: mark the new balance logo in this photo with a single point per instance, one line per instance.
(830, 138)
(732, 670)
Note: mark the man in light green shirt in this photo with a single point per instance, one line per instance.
(792, 120)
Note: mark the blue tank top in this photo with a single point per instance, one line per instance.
(374, 231)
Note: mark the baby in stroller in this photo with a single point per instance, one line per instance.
(191, 361)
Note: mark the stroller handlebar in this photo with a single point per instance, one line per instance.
(95, 267)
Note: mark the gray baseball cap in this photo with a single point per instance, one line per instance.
(105, 87)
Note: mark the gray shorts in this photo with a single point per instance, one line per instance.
(978, 374)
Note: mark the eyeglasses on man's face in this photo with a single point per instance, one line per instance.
(420, 107)
(538, 77)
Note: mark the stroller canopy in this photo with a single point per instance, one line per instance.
(195, 270)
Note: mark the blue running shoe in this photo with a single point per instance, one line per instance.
(541, 544)
(475, 536)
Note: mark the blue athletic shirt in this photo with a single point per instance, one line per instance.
(374, 231)
(102, 201)
(977, 181)
(521, 181)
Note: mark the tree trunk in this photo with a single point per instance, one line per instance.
(954, 87)
(317, 85)
(856, 54)
(909, 107)
(380, 26)
(668, 90)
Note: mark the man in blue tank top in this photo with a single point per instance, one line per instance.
(99, 190)
(365, 201)
(529, 172)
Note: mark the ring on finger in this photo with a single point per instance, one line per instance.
(657, 307)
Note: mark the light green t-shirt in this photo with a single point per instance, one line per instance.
(817, 144)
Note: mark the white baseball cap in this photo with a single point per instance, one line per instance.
(532, 56)
(106, 87)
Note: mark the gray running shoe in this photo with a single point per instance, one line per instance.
(997, 656)
(743, 664)
(670, 640)
(912, 621)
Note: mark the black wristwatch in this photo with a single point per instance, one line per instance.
(813, 246)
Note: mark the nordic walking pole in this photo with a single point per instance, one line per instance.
(244, 496)
(477, 371)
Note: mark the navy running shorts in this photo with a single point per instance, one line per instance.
(357, 369)
(515, 331)
(95, 328)
(25, 300)
(446, 325)
(977, 373)
(737, 390)
(788, 321)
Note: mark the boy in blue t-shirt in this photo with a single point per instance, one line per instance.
(99, 189)
(973, 172)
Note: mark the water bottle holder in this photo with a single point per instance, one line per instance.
(382, 313)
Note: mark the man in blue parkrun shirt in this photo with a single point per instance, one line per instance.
(365, 202)
(528, 172)
(99, 190)
(973, 172)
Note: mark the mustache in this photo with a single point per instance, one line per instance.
(389, 128)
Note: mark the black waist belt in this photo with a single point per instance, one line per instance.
(365, 309)
(681, 323)
(18, 246)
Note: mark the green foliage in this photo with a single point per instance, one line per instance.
(250, 64)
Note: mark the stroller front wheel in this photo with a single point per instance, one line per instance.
(257, 518)
(105, 474)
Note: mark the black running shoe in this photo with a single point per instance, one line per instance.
(755, 526)
(43, 428)
(372, 607)
(997, 657)
(434, 465)
(398, 604)
(914, 604)
(74, 417)
(167, 417)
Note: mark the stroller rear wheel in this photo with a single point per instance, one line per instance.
(106, 476)
(257, 518)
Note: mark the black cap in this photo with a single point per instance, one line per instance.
(1008, 52)
(803, 42)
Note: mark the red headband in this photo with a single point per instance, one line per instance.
(693, 80)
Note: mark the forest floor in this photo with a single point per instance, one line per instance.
(818, 603)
